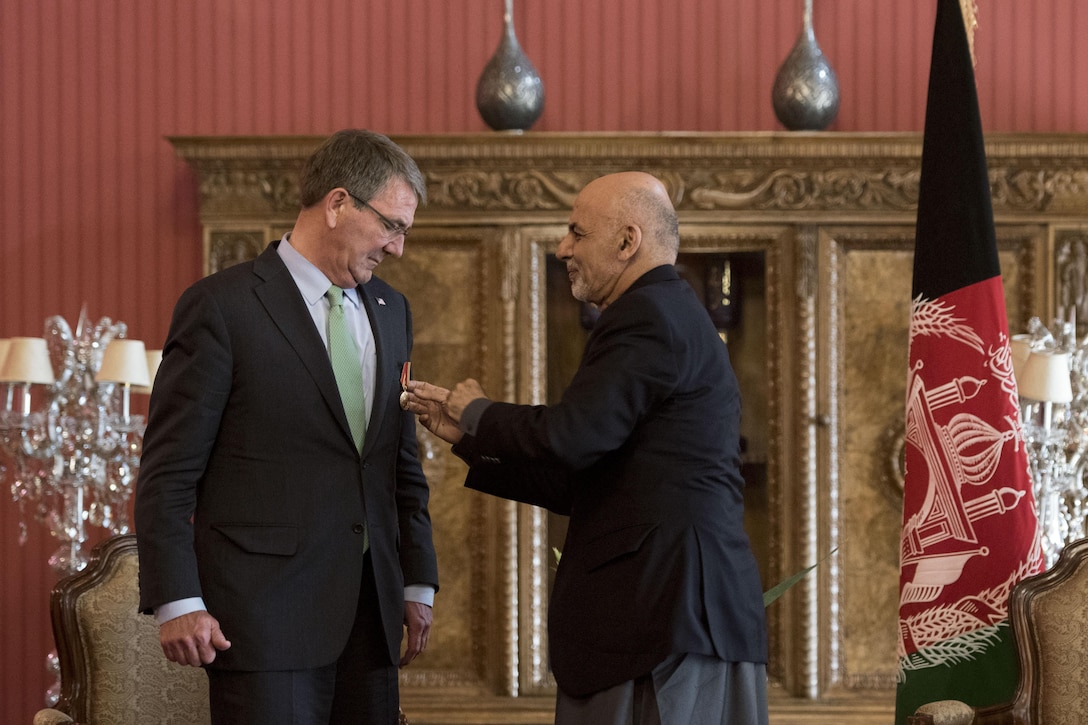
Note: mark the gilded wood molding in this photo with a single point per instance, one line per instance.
(751, 173)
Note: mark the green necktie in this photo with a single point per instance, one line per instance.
(346, 366)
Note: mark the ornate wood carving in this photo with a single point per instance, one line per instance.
(841, 173)
(1071, 275)
(230, 247)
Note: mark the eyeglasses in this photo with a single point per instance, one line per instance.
(392, 229)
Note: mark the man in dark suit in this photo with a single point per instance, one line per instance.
(281, 510)
(656, 615)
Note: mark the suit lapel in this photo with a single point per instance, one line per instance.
(376, 313)
(281, 299)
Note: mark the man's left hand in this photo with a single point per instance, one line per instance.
(417, 618)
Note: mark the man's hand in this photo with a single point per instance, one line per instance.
(417, 618)
(192, 639)
(429, 403)
(462, 394)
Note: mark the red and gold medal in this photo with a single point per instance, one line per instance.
(405, 376)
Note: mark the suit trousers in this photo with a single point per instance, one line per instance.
(685, 689)
(360, 688)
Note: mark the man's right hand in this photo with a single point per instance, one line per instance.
(192, 639)
(428, 402)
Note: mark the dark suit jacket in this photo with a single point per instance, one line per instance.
(642, 452)
(247, 437)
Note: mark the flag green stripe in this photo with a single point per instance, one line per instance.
(988, 679)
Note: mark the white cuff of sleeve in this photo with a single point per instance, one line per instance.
(173, 610)
(420, 593)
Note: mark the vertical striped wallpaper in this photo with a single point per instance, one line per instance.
(96, 209)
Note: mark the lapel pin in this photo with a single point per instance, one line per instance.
(381, 302)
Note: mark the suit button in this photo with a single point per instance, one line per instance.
(358, 528)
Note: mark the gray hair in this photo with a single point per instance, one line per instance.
(661, 220)
(362, 162)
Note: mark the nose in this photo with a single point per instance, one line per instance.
(395, 246)
(565, 249)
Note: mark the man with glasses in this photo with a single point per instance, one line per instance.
(281, 512)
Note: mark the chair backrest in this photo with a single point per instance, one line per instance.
(1049, 614)
(112, 666)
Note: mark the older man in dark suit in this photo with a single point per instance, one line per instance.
(281, 511)
(657, 614)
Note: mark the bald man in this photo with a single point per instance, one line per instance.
(656, 615)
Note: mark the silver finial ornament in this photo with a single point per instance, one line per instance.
(806, 90)
(510, 93)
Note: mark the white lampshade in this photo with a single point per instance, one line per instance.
(27, 361)
(4, 345)
(1045, 377)
(154, 359)
(1021, 349)
(124, 361)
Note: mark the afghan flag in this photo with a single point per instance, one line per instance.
(969, 528)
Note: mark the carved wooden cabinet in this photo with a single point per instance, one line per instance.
(810, 237)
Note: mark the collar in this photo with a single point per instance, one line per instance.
(664, 273)
(311, 281)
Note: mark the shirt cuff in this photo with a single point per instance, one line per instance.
(470, 416)
(419, 593)
(175, 609)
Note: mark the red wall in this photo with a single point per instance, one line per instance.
(95, 208)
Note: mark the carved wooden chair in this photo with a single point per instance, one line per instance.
(1049, 616)
(112, 668)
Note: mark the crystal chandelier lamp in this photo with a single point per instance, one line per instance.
(69, 443)
(1051, 370)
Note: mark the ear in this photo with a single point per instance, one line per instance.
(333, 205)
(630, 241)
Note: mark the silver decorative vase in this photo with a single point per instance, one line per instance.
(806, 90)
(509, 94)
